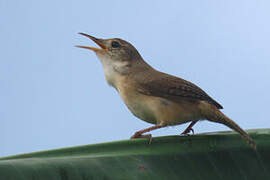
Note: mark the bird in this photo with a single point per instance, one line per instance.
(154, 96)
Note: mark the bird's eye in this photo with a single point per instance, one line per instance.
(115, 44)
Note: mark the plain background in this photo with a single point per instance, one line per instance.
(54, 95)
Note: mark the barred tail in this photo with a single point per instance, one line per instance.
(215, 115)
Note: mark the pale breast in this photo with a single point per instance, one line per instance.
(139, 105)
(158, 110)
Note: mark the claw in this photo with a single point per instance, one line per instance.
(138, 135)
(187, 131)
(191, 129)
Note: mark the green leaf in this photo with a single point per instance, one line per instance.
(209, 156)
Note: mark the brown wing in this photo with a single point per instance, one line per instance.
(167, 86)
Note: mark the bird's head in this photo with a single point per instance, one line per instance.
(118, 57)
(115, 49)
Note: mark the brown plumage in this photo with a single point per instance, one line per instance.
(173, 88)
(153, 96)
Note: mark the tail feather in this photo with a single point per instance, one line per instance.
(217, 116)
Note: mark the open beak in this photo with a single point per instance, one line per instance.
(96, 40)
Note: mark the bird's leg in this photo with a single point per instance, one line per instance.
(189, 128)
(139, 134)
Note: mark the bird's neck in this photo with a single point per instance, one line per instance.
(118, 73)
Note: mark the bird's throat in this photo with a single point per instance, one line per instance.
(114, 71)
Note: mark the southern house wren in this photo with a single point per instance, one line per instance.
(153, 96)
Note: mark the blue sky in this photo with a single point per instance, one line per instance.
(54, 95)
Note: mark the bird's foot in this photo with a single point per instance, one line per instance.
(189, 128)
(187, 131)
(140, 135)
